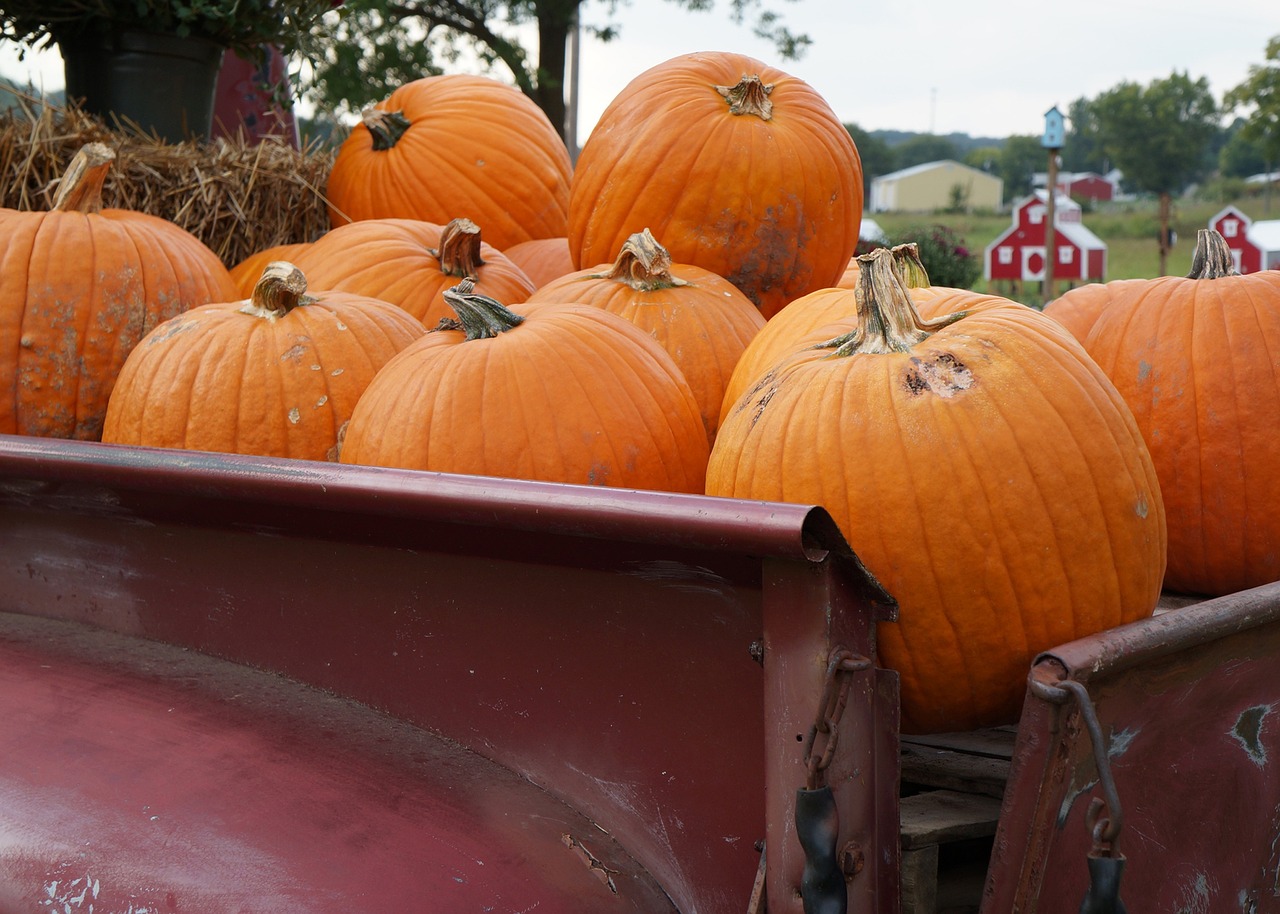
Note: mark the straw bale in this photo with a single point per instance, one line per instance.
(236, 196)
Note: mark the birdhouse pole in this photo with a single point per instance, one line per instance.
(1054, 135)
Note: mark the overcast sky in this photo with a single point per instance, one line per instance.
(980, 67)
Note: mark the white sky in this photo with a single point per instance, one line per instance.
(980, 67)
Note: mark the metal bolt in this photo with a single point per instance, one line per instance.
(851, 859)
(757, 651)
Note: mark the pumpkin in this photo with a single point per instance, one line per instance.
(1078, 309)
(81, 285)
(444, 145)
(542, 259)
(984, 470)
(277, 375)
(1197, 359)
(560, 392)
(410, 264)
(738, 167)
(247, 272)
(849, 278)
(697, 316)
(804, 322)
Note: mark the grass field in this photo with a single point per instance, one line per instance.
(1129, 229)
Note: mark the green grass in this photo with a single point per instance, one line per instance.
(1129, 230)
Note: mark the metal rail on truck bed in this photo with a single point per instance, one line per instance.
(573, 698)
(232, 684)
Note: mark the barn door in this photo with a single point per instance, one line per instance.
(1033, 263)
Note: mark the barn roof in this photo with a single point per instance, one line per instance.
(932, 166)
(1265, 235)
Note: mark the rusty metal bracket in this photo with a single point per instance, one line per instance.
(820, 746)
(1104, 817)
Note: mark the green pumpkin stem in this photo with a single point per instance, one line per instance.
(459, 251)
(887, 316)
(386, 127)
(281, 288)
(644, 265)
(749, 96)
(80, 188)
(479, 316)
(1212, 258)
(910, 266)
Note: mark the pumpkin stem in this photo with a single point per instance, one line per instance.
(386, 127)
(749, 96)
(910, 266)
(479, 316)
(644, 265)
(459, 251)
(887, 316)
(1212, 258)
(80, 188)
(281, 289)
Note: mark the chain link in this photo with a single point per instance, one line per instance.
(820, 746)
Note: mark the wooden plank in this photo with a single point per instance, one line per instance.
(994, 741)
(920, 880)
(942, 816)
(928, 766)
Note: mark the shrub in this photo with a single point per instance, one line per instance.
(944, 255)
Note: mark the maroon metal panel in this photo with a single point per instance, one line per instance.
(1188, 703)
(140, 777)
(597, 642)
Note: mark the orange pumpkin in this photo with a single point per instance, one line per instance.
(984, 470)
(738, 167)
(248, 271)
(1197, 359)
(542, 259)
(697, 316)
(410, 264)
(80, 286)
(1078, 309)
(444, 145)
(558, 392)
(277, 376)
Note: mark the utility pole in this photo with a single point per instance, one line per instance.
(1054, 136)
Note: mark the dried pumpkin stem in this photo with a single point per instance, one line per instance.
(80, 188)
(910, 266)
(1212, 258)
(644, 265)
(479, 316)
(386, 127)
(459, 251)
(281, 289)
(749, 96)
(887, 316)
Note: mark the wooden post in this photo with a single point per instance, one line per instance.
(1050, 239)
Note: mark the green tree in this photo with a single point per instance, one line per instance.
(1020, 159)
(1260, 93)
(924, 147)
(1083, 148)
(1240, 156)
(378, 45)
(877, 157)
(1158, 135)
(984, 158)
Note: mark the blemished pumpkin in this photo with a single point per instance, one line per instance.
(736, 166)
(247, 272)
(1197, 359)
(81, 285)
(450, 145)
(984, 470)
(276, 376)
(410, 263)
(559, 392)
(697, 316)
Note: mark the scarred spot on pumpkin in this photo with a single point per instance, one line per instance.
(943, 375)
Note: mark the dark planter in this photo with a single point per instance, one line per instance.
(163, 83)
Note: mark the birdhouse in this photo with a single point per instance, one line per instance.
(1055, 130)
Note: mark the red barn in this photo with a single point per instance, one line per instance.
(1019, 253)
(1086, 185)
(1254, 245)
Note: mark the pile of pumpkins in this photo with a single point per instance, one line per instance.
(683, 311)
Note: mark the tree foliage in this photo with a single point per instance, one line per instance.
(876, 155)
(1260, 92)
(378, 45)
(1020, 159)
(924, 147)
